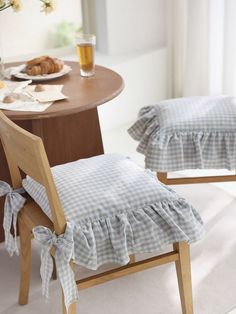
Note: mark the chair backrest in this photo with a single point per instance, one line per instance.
(25, 151)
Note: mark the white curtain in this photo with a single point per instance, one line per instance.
(202, 47)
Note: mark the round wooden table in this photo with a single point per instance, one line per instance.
(69, 128)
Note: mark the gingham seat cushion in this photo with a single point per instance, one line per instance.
(188, 133)
(117, 208)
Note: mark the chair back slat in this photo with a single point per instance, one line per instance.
(25, 151)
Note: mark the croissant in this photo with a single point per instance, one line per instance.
(34, 70)
(36, 61)
(44, 65)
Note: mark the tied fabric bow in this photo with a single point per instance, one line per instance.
(13, 204)
(64, 245)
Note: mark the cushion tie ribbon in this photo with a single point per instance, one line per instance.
(13, 204)
(64, 252)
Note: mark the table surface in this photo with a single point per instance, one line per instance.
(83, 93)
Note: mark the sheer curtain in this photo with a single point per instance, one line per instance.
(202, 47)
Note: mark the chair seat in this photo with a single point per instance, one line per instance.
(117, 209)
(188, 133)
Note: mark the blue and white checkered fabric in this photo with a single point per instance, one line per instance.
(188, 133)
(117, 209)
(64, 253)
(13, 204)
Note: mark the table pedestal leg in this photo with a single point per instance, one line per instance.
(70, 138)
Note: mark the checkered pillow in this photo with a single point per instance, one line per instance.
(188, 133)
(117, 209)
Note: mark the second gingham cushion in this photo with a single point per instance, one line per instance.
(117, 209)
(188, 133)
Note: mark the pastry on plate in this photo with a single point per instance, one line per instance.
(8, 99)
(39, 88)
(44, 65)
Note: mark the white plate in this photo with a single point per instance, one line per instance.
(22, 75)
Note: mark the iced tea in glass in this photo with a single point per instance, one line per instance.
(86, 50)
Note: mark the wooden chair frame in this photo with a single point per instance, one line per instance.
(163, 177)
(25, 151)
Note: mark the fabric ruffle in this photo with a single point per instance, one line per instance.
(132, 213)
(170, 150)
(145, 129)
(145, 230)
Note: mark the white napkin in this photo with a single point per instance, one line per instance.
(18, 105)
(8, 72)
(13, 87)
(24, 100)
(31, 88)
(51, 93)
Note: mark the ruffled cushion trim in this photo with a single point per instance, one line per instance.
(146, 124)
(139, 231)
(211, 149)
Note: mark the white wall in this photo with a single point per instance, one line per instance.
(129, 25)
(145, 79)
(30, 31)
(135, 25)
(131, 34)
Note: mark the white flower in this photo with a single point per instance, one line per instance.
(48, 6)
(2, 3)
(16, 5)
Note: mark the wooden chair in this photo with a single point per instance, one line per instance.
(25, 151)
(163, 177)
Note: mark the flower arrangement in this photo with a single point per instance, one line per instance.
(48, 6)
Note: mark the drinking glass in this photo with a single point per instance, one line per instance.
(86, 50)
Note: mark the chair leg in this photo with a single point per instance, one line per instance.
(54, 273)
(25, 261)
(132, 259)
(162, 177)
(183, 269)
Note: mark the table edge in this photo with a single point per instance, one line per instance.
(41, 116)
